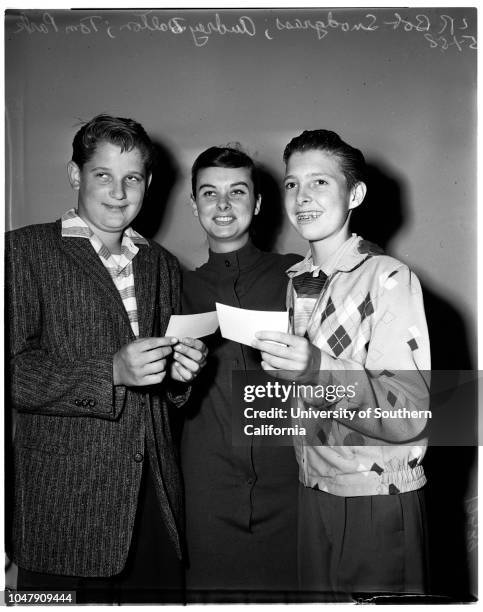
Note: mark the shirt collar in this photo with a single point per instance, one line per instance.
(240, 259)
(75, 227)
(345, 258)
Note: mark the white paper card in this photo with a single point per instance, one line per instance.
(192, 326)
(240, 324)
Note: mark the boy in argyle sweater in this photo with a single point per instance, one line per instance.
(356, 317)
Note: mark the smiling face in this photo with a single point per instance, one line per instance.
(111, 186)
(318, 200)
(225, 203)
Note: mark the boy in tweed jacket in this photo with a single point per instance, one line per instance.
(98, 504)
(357, 318)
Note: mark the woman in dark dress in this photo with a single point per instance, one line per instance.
(240, 500)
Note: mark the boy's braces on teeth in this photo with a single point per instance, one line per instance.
(308, 215)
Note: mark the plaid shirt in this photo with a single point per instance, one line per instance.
(369, 324)
(119, 266)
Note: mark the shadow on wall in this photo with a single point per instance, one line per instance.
(384, 210)
(165, 174)
(267, 225)
(383, 214)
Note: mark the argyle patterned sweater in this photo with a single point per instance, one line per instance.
(368, 322)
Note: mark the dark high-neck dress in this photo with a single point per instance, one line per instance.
(241, 501)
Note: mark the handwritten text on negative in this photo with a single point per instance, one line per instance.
(442, 32)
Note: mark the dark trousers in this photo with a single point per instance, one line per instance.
(369, 544)
(153, 573)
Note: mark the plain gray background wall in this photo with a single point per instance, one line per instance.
(399, 84)
(407, 103)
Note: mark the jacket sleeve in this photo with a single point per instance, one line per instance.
(395, 375)
(177, 392)
(40, 382)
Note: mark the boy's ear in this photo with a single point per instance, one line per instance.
(193, 206)
(258, 204)
(73, 172)
(358, 193)
(148, 181)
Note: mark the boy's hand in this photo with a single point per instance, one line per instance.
(294, 353)
(188, 358)
(142, 362)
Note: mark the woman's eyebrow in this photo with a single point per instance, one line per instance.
(239, 183)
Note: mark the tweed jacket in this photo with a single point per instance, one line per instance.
(80, 443)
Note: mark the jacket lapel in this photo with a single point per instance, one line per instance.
(146, 279)
(83, 255)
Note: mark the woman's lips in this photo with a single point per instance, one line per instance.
(224, 219)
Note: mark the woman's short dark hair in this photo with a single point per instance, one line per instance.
(352, 161)
(224, 157)
(125, 133)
